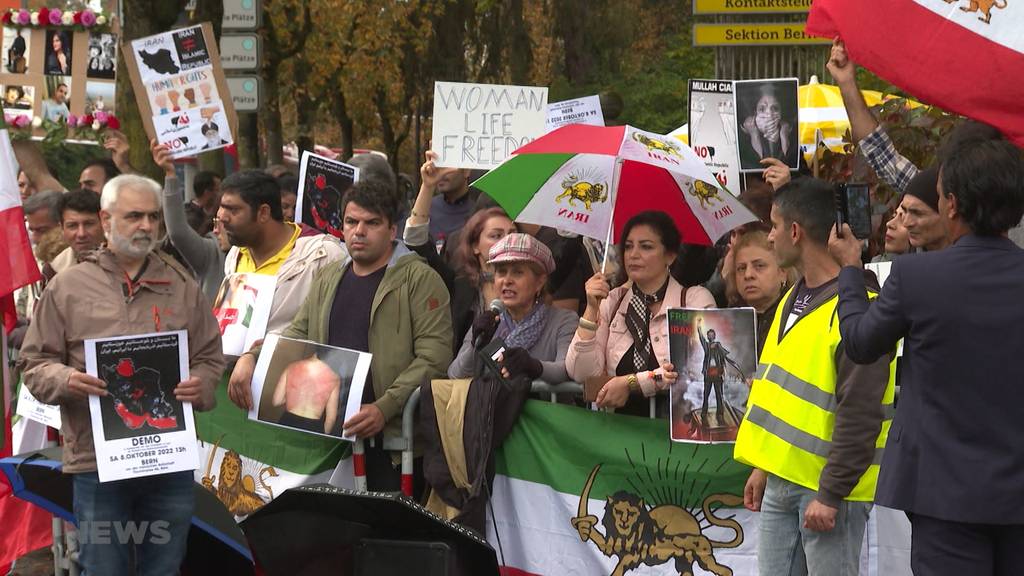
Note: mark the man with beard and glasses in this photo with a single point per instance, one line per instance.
(264, 243)
(125, 288)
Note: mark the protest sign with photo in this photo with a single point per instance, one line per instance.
(307, 386)
(242, 308)
(322, 183)
(29, 407)
(54, 73)
(712, 130)
(480, 125)
(586, 110)
(139, 427)
(715, 354)
(181, 90)
(767, 122)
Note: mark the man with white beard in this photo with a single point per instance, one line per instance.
(125, 288)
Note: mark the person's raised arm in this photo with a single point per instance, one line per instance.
(844, 72)
(31, 162)
(200, 252)
(117, 143)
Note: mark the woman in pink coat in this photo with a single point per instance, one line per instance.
(623, 334)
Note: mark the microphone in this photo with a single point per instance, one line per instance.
(496, 307)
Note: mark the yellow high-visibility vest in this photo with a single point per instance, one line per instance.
(787, 430)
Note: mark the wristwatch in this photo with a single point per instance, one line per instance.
(633, 383)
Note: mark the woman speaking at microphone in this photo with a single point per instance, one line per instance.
(536, 335)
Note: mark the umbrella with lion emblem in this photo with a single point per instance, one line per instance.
(592, 179)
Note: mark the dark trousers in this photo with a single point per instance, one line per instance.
(940, 547)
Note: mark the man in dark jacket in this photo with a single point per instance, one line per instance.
(954, 462)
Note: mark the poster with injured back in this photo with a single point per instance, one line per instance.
(139, 427)
(307, 386)
(181, 90)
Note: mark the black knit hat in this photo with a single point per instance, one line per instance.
(925, 187)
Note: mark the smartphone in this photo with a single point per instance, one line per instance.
(853, 207)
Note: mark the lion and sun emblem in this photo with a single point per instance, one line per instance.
(659, 529)
(586, 187)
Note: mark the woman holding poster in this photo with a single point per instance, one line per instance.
(623, 333)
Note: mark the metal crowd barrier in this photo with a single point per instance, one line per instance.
(404, 444)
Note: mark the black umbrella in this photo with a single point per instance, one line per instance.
(216, 545)
(322, 529)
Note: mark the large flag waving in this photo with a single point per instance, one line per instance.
(966, 56)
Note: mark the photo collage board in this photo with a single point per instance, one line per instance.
(51, 72)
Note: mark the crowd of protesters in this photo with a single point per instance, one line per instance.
(415, 285)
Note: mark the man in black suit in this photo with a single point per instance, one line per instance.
(955, 455)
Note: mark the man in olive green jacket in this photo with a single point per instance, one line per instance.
(387, 301)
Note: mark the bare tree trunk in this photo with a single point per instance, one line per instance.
(275, 54)
(340, 110)
(270, 113)
(140, 18)
(212, 11)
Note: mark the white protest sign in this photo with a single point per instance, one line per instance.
(29, 407)
(586, 110)
(712, 130)
(480, 125)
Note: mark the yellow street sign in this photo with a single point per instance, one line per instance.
(746, 34)
(750, 6)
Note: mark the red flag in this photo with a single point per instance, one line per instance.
(960, 55)
(17, 263)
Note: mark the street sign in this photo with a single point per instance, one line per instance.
(245, 92)
(241, 14)
(750, 6)
(240, 51)
(747, 34)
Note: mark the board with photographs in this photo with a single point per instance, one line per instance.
(767, 122)
(52, 73)
(181, 91)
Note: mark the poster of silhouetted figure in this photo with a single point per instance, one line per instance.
(715, 354)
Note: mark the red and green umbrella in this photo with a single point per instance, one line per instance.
(592, 179)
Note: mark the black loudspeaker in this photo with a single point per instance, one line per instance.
(378, 557)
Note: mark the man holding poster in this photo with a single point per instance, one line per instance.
(124, 289)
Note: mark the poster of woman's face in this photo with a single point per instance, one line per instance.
(102, 56)
(767, 122)
(58, 52)
(16, 45)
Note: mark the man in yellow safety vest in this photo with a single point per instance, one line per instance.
(816, 422)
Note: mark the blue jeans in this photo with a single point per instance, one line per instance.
(142, 518)
(786, 548)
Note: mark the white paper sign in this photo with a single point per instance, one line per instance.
(138, 427)
(307, 386)
(29, 407)
(480, 125)
(712, 130)
(586, 110)
(242, 308)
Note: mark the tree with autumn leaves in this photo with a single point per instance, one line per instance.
(359, 74)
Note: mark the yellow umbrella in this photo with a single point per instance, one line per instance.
(821, 108)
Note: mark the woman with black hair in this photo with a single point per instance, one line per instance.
(624, 332)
